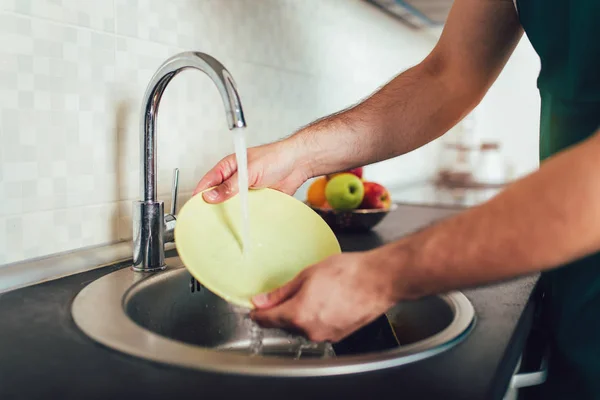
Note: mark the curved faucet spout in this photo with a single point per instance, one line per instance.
(171, 67)
(149, 229)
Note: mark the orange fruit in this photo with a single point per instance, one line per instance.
(315, 195)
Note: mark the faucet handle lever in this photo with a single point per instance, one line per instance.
(169, 219)
(174, 191)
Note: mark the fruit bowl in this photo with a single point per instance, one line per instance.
(357, 220)
(349, 203)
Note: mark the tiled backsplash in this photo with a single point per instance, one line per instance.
(72, 73)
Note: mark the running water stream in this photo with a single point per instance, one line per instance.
(239, 142)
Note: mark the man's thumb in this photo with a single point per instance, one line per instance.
(277, 296)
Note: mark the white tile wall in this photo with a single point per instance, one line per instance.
(93, 14)
(72, 74)
(56, 121)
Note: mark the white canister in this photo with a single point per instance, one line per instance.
(491, 167)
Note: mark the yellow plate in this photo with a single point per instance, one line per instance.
(286, 236)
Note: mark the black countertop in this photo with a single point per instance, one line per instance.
(43, 354)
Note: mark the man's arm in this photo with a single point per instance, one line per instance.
(413, 109)
(423, 102)
(542, 221)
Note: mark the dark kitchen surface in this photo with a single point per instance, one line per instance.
(44, 356)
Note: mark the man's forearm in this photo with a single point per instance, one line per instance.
(542, 221)
(413, 109)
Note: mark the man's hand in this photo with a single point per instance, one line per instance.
(278, 165)
(329, 300)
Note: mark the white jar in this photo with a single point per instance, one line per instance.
(491, 167)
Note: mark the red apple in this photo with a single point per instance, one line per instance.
(356, 171)
(376, 197)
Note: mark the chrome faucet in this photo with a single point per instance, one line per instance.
(151, 227)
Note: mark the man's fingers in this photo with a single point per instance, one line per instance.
(279, 295)
(224, 191)
(270, 319)
(218, 174)
(281, 316)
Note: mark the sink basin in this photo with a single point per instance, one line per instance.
(169, 318)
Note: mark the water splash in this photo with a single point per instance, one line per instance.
(256, 339)
(304, 345)
(328, 351)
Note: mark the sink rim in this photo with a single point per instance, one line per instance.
(107, 323)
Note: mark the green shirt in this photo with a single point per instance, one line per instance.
(566, 36)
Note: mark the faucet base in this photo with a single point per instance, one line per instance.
(148, 236)
(139, 268)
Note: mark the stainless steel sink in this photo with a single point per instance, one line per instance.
(167, 318)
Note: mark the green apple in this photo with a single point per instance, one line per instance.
(344, 191)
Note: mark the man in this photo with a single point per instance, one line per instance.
(548, 221)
